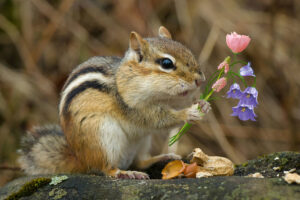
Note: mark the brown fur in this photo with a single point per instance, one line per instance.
(82, 130)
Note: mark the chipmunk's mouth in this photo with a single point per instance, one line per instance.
(183, 93)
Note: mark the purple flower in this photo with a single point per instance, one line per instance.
(249, 97)
(244, 112)
(234, 91)
(247, 70)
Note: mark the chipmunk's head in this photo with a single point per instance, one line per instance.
(159, 70)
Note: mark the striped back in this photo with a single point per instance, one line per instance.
(97, 73)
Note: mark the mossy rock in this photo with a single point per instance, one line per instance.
(79, 186)
(265, 164)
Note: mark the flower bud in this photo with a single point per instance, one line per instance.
(219, 84)
(237, 43)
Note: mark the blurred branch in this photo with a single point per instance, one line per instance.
(75, 28)
(30, 65)
(101, 18)
(209, 44)
(19, 42)
(27, 88)
(26, 14)
(17, 81)
(51, 27)
(184, 18)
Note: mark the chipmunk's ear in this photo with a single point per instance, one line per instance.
(164, 33)
(138, 45)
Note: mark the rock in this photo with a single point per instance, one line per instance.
(78, 186)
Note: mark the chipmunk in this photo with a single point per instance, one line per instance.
(110, 107)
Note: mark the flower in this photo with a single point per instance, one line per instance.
(249, 97)
(219, 84)
(247, 70)
(225, 65)
(237, 43)
(244, 112)
(234, 91)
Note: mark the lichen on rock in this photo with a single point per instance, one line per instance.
(57, 193)
(58, 179)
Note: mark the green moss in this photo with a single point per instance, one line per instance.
(261, 156)
(29, 188)
(245, 164)
(284, 161)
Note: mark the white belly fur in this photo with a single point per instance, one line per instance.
(121, 148)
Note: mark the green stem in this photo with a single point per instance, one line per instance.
(254, 84)
(212, 76)
(211, 80)
(239, 76)
(209, 94)
(234, 57)
(237, 62)
(176, 137)
(221, 72)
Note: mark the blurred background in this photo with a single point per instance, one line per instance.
(42, 41)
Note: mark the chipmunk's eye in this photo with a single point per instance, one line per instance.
(166, 63)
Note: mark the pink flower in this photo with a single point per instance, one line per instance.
(225, 65)
(237, 43)
(219, 84)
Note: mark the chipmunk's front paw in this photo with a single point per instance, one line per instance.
(131, 175)
(204, 106)
(193, 114)
(197, 111)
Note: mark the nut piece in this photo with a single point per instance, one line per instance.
(173, 169)
(202, 166)
(292, 178)
(255, 175)
(191, 170)
(290, 171)
(203, 174)
(199, 157)
(215, 165)
(219, 166)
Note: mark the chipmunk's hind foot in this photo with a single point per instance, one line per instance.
(122, 174)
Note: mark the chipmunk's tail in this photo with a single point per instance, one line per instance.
(45, 151)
